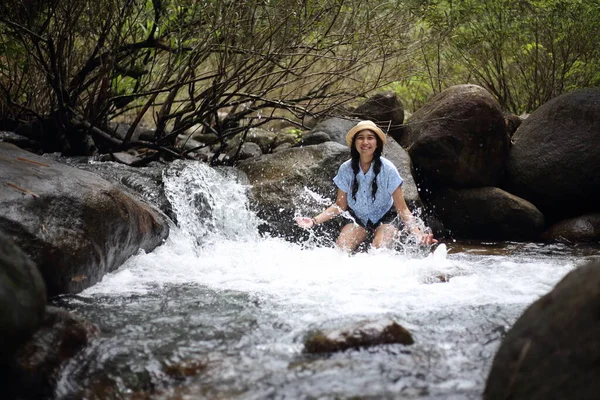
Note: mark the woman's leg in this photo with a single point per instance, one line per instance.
(384, 236)
(351, 236)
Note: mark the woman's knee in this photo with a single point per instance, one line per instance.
(351, 236)
(384, 235)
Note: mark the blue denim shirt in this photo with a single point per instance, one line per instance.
(365, 208)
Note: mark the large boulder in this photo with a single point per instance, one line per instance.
(336, 128)
(22, 298)
(401, 159)
(554, 160)
(385, 109)
(553, 350)
(458, 138)
(487, 213)
(145, 183)
(585, 228)
(73, 224)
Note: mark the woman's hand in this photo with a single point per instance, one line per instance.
(305, 222)
(426, 239)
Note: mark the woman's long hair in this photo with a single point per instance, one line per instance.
(356, 165)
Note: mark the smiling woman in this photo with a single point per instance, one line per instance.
(369, 188)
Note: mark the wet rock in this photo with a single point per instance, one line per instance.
(22, 298)
(552, 351)
(278, 182)
(554, 160)
(74, 225)
(401, 159)
(125, 158)
(336, 128)
(145, 183)
(365, 334)
(386, 110)
(38, 362)
(20, 141)
(487, 213)
(585, 228)
(458, 138)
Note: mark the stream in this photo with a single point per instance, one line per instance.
(220, 311)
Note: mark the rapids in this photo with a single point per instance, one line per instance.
(220, 311)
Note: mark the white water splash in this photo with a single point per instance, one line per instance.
(376, 282)
(209, 204)
(303, 287)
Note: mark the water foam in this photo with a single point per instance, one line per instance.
(217, 246)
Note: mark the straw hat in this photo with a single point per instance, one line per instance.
(365, 125)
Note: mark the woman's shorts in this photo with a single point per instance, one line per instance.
(387, 218)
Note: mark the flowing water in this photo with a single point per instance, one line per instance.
(221, 312)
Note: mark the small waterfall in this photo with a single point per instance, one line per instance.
(210, 204)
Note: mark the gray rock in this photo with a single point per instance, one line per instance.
(20, 141)
(554, 160)
(263, 138)
(145, 183)
(401, 159)
(312, 138)
(73, 224)
(552, 351)
(248, 150)
(285, 137)
(204, 137)
(282, 147)
(22, 298)
(125, 158)
(487, 213)
(336, 128)
(187, 143)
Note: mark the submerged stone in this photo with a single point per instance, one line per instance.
(363, 335)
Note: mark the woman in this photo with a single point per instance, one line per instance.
(369, 187)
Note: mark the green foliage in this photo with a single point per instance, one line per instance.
(523, 52)
(227, 65)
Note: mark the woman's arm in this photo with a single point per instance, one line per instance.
(340, 205)
(409, 219)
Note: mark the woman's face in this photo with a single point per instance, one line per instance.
(366, 143)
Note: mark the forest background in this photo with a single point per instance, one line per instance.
(70, 67)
